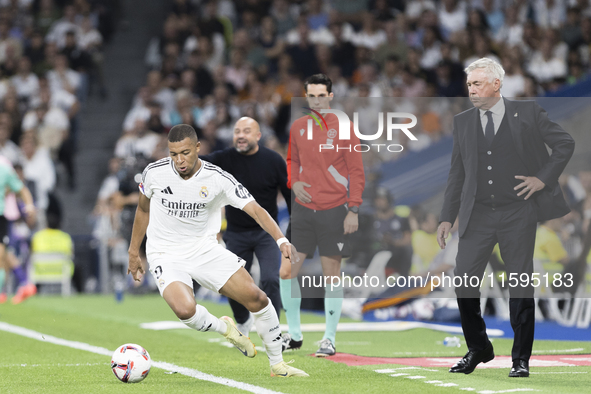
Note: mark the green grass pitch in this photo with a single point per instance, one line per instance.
(32, 366)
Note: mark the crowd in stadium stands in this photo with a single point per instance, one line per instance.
(50, 56)
(215, 61)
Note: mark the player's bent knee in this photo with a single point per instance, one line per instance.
(257, 300)
(184, 311)
(284, 273)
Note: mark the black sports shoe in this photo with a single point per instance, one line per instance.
(289, 344)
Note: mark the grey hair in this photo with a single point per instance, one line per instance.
(494, 69)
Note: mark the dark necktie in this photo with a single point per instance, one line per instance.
(489, 132)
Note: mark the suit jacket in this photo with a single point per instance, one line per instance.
(531, 131)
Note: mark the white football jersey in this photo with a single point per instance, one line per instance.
(185, 213)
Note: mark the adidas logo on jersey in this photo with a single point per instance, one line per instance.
(167, 190)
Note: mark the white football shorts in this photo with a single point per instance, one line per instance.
(211, 267)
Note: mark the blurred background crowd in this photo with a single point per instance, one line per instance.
(209, 62)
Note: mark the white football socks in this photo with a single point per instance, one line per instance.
(202, 320)
(267, 325)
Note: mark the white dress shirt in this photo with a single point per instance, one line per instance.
(498, 111)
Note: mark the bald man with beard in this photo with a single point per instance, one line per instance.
(263, 173)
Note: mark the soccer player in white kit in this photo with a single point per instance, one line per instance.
(180, 207)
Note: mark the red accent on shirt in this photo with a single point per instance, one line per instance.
(327, 188)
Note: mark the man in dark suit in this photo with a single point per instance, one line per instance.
(502, 181)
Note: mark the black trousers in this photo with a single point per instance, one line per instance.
(244, 244)
(514, 230)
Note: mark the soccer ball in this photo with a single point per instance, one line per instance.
(131, 363)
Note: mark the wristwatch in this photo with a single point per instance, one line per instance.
(354, 209)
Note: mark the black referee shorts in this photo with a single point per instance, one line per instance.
(323, 229)
(3, 230)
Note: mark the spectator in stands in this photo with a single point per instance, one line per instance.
(158, 119)
(158, 91)
(212, 51)
(38, 167)
(283, 16)
(343, 51)
(63, 77)
(545, 66)
(11, 116)
(271, 43)
(109, 186)
(209, 139)
(9, 149)
(221, 98)
(47, 15)
(393, 46)
(25, 82)
(495, 18)
(452, 16)
(447, 83)
(59, 29)
(185, 102)
(514, 81)
(317, 16)
(61, 99)
(382, 12)
(51, 126)
(78, 58)
(571, 30)
(139, 140)
(9, 46)
(411, 85)
(303, 54)
(90, 41)
(371, 35)
(237, 70)
(431, 49)
(477, 22)
(511, 31)
(481, 49)
(549, 13)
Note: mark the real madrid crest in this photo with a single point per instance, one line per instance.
(203, 192)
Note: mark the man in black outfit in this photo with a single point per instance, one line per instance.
(262, 172)
(502, 181)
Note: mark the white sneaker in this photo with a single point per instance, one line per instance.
(326, 348)
(245, 327)
(283, 370)
(235, 337)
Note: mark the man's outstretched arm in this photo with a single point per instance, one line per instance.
(267, 223)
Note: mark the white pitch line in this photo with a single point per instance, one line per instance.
(25, 332)
(504, 391)
(579, 349)
(544, 373)
(385, 370)
(52, 365)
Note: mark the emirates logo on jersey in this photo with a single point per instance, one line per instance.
(203, 192)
